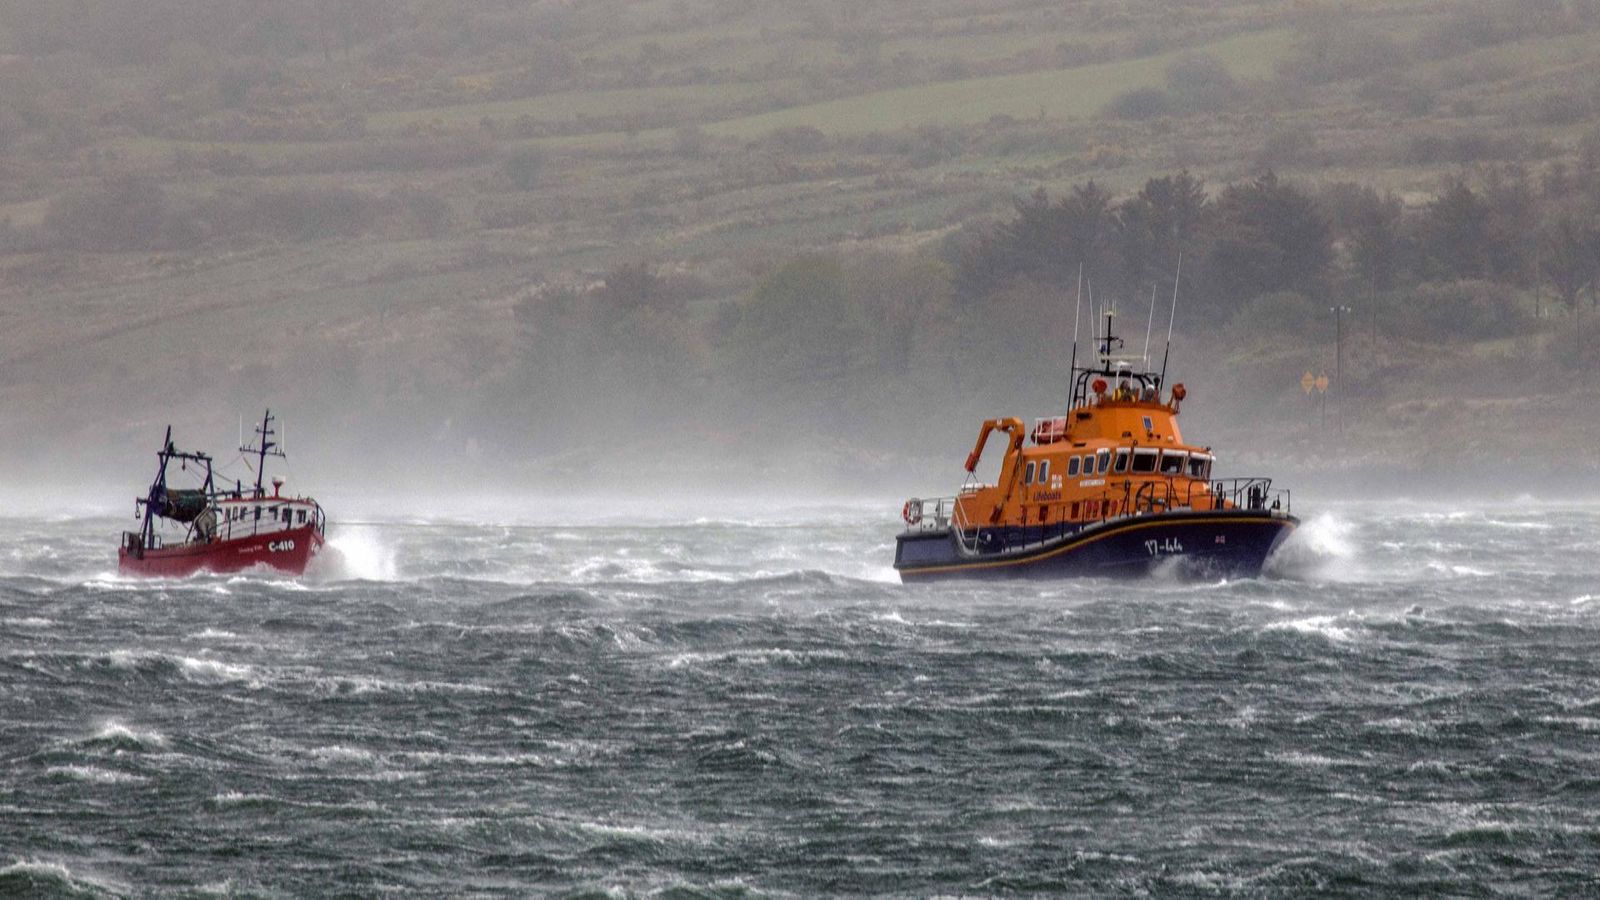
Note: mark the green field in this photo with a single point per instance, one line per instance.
(1057, 94)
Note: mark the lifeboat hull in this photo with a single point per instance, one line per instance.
(1194, 544)
(288, 551)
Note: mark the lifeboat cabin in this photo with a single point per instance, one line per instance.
(1111, 489)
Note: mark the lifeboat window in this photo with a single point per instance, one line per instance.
(1144, 461)
(1122, 461)
(1200, 467)
(1105, 460)
(302, 517)
(1044, 472)
(1028, 478)
(258, 514)
(1072, 467)
(1148, 426)
(1172, 463)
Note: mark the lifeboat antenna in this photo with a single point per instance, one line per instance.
(1145, 358)
(1077, 316)
(1167, 354)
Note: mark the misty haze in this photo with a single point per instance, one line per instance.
(571, 484)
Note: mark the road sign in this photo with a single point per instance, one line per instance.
(1307, 382)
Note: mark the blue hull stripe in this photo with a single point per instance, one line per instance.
(1229, 543)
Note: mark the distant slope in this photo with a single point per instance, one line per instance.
(1060, 93)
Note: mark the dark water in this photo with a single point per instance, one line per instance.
(1411, 704)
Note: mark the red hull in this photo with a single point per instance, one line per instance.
(287, 551)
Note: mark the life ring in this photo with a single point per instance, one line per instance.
(912, 512)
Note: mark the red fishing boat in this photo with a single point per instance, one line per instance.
(224, 530)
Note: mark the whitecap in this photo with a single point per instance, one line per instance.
(211, 671)
(115, 730)
(1321, 548)
(1313, 760)
(1320, 625)
(29, 622)
(341, 754)
(93, 774)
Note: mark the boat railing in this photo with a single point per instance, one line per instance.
(1249, 493)
(930, 513)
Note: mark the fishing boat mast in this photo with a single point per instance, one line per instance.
(158, 501)
(267, 447)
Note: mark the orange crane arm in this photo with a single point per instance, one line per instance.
(1008, 469)
(1011, 425)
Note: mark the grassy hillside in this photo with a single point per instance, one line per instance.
(349, 209)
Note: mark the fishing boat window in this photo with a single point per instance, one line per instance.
(302, 517)
(1122, 461)
(1172, 462)
(1200, 467)
(258, 514)
(1144, 460)
(1105, 460)
(1028, 478)
(1072, 467)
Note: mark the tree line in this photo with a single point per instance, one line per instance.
(1270, 236)
(853, 343)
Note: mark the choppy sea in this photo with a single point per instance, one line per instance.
(1408, 703)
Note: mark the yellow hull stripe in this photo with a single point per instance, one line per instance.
(1286, 523)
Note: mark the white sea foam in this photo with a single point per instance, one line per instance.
(510, 760)
(1320, 549)
(341, 754)
(115, 730)
(1320, 625)
(233, 798)
(367, 684)
(40, 873)
(761, 657)
(355, 553)
(211, 671)
(93, 774)
(30, 622)
(1313, 760)
(1582, 723)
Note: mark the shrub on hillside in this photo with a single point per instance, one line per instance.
(1331, 48)
(799, 139)
(309, 213)
(1138, 104)
(400, 155)
(524, 167)
(1201, 83)
(1576, 348)
(1459, 310)
(119, 214)
(1284, 313)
